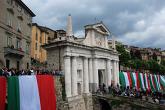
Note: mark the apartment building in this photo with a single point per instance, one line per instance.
(39, 37)
(15, 34)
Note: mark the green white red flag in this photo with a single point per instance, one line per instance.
(146, 82)
(31, 93)
(142, 81)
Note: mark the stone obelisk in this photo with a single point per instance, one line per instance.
(69, 32)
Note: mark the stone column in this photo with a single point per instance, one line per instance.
(90, 74)
(95, 75)
(67, 70)
(74, 76)
(117, 71)
(108, 66)
(85, 78)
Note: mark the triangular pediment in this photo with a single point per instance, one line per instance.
(102, 28)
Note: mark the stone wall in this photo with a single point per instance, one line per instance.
(123, 103)
(61, 104)
(54, 59)
(82, 102)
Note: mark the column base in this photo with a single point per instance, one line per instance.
(90, 87)
(94, 87)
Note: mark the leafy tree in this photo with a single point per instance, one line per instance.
(154, 56)
(154, 66)
(138, 54)
(163, 62)
(134, 60)
(124, 55)
(132, 54)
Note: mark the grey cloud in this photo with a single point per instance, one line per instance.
(127, 19)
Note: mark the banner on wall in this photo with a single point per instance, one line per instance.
(2, 92)
(31, 93)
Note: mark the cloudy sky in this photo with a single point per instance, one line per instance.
(133, 22)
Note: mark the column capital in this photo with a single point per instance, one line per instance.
(108, 59)
(67, 57)
(85, 57)
(114, 60)
(74, 56)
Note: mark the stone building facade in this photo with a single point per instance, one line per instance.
(15, 34)
(86, 63)
(39, 37)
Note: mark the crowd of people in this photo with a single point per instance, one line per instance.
(150, 96)
(14, 72)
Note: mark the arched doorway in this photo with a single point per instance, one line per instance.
(104, 105)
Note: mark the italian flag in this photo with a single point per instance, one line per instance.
(134, 80)
(137, 81)
(125, 79)
(160, 87)
(162, 80)
(152, 82)
(146, 82)
(2, 92)
(157, 84)
(129, 79)
(31, 93)
(141, 79)
(122, 80)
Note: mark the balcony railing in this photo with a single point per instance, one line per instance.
(13, 51)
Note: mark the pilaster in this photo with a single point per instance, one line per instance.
(74, 76)
(90, 74)
(95, 75)
(108, 66)
(67, 70)
(86, 79)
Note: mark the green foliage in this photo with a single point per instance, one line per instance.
(134, 60)
(124, 55)
(154, 57)
(154, 66)
(135, 55)
(163, 62)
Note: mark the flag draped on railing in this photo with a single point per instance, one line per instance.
(2, 93)
(142, 81)
(33, 92)
(162, 80)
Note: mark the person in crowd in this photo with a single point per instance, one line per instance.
(13, 72)
(32, 71)
(1, 72)
(22, 72)
(127, 91)
(110, 89)
(131, 92)
(104, 88)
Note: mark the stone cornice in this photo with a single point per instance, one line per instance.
(74, 44)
